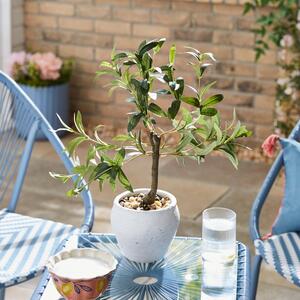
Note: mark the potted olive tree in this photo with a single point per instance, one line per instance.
(145, 220)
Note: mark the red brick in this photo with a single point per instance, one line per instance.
(131, 15)
(93, 11)
(76, 51)
(54, 8)
(113, 27)
(76, 24)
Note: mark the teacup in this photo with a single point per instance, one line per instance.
(81, 274)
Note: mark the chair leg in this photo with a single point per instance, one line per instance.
(2, 293)
(255, 276)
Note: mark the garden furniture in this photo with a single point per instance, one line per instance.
(26, 242)
(178, 276)
(280, 250)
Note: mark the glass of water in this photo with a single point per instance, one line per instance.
(219, 253)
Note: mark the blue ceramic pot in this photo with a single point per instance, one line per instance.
(50, 100)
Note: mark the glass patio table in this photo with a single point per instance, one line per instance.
(177, 277)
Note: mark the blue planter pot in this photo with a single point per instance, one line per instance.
(50, 101)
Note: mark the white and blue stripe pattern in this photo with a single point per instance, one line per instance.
(26, 244)
(282, 252)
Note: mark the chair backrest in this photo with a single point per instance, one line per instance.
(20, 120)
(266, 187)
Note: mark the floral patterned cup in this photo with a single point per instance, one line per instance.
(77, 274)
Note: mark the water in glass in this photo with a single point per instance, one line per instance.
(218, 253)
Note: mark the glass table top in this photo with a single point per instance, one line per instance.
(176, 277)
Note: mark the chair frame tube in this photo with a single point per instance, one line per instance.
(257, 207)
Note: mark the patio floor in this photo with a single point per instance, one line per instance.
(214, 183)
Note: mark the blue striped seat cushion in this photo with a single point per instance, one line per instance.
(282, 252)
(26, 244)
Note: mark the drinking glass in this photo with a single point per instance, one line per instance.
(219, 253)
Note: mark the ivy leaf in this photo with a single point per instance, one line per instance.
(157, 110)
(191, 100)
(133, 121)
(124, 181)
(213, 100)
(174, 108)
(208, 111)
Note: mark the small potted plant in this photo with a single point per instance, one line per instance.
(145, 220)
(44, 77)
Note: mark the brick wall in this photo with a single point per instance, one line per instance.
(88, 29)
(17, 25)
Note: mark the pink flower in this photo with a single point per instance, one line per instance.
(48, 64)
(17, 60)
(269, 146)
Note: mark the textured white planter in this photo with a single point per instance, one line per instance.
(145, 236)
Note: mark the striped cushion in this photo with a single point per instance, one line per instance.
(282, 252)
(25, 245)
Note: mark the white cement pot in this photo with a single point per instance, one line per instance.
(144, 236)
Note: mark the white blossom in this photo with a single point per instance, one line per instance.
(298, 26)
(283, 81)
(287, 41)
(288, 91)
(295, 73)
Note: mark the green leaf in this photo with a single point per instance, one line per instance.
(172, 55)
(230, 155)
(208, 111)
(120, 56)
(133, 121)
(119, 157)
(157, 110)
(191, 100)
(123, 138)
(62, 178)
(147, 47)
(219, 133)
(206, 88)
(66, 127)
(247, 7)
(213, 100)
(124, 181)
(78, 122)
(159, 45)
(174, 108)
(101, 169)
(73, 144)
(106, 64)
(139, 144)
(183, 142)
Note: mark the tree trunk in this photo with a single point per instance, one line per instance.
(155, 143)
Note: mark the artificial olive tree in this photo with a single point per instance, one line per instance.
(197, 128)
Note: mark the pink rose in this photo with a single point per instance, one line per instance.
(17, 60)
(269, 146)
(48, 64)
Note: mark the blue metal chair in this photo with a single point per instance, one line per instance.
(282, 251)
(25, 242)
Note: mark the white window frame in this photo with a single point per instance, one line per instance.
(5, 32)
